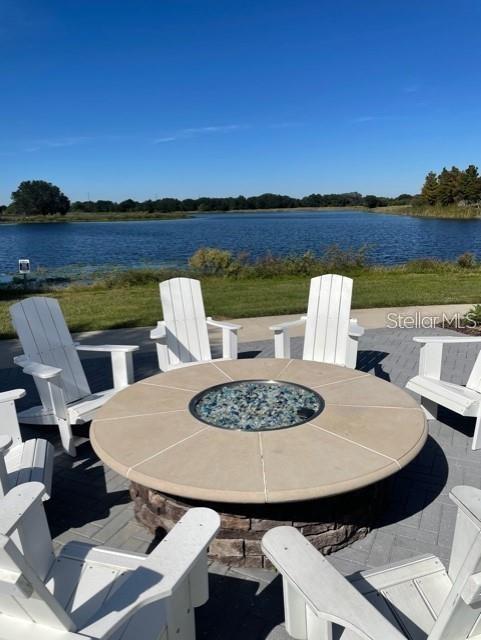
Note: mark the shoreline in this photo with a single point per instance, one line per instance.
(398, 210)
(142, 217)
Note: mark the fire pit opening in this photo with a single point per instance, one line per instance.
(256, 405)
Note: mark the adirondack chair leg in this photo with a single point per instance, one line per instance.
(61, 415)
(180, 613)
(122, 369)
(282, 344)
(430, 408)
(66, 436)
(318, 628)
(301, 622)
(477, 433)
(199, 581)
(162, 355)
(229, 344)
(294, 612)
(351, 352)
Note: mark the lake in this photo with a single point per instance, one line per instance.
(394, 239)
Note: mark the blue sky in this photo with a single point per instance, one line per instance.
(151, 98)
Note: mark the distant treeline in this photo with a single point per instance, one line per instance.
(264, 201)
(452, 186)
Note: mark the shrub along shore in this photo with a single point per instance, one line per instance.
(235, 287)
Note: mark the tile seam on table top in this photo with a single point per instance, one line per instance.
(222, 371)
(299, 494)
(291, 360)
(357, 444)
(264, 480)
(139, 415)
(166, 386)
(353, 379)
(171, 446)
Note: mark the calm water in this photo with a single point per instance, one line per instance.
(394, 238)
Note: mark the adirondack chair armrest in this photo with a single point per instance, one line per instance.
(430, 360)
(285, 326)
(122, 361)
(14, 394)
(174, 559)
(230, 326)
(107, 348)
(446, 339)
(40, 370)
(178, 553)
(313, 587)
(229, 337)
(355, 329)
(282, 340)
(159, 333)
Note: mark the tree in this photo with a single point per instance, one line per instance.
(403, 198)
(39, 198)
(372, 201)
(449, 186)
(127, 205)
(430, 190)
(471, 184)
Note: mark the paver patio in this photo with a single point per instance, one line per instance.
(91, 502)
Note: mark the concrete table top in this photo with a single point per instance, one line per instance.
(369, 429)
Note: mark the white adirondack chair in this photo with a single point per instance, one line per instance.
(416, 599)
(96, 592)
(21, 461)
(463, 400)
(182, 336)
(50, 356)
(331, 335)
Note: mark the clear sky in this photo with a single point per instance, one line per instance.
(151, 98)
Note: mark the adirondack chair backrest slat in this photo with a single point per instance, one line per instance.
(39, 606)
(474, 381)
(26, 553)
(45, 338)
(328, 314)
(459, 620)
(185, 321)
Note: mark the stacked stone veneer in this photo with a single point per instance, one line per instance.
(328, 523)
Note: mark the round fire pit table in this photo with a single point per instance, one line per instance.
(264, 442)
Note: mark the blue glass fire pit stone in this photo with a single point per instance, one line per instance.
(256, 405)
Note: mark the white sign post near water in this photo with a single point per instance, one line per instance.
(24, 268)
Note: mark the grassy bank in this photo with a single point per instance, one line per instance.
(80, 216)
(117, 306)
(437, 211)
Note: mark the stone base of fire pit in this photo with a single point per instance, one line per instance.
(328, 523)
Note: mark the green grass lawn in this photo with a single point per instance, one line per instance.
(82, 216)
(90, 308)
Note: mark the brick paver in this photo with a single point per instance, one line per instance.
(90, 502)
